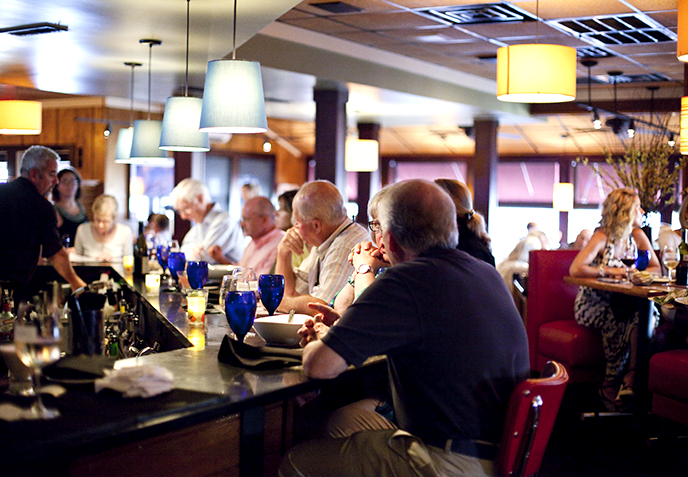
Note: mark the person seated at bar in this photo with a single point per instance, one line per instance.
(257, 222)
(320, 221)
(284, 215)
(158, 229)
(28, 227)
(581, 241)
(212, 225)
(473, 237)
(615, 315)
(104, 239)
(455, 343)
(517, 261)
(70, 212)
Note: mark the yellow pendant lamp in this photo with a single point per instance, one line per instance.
(20, 117)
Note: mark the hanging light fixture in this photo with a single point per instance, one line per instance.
(145, 143)
(233, 100)
(20, 117)
(125, 135)
(183, 116)
(361, 155)
(631, 129)
(562, 197)
(682, 43)
(536, 73)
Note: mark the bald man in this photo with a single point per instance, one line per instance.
(258, 221)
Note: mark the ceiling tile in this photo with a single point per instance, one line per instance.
(319, 24)
(390, 21)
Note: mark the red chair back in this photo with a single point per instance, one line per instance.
(530, 417)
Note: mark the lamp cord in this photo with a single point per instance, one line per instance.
(186, 77)
(537, 22)
(150, 58)
(234, 34)
(131, 94)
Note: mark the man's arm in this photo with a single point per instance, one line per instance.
(322, 362)
(60, 261)
(298, 303)
(291, 243)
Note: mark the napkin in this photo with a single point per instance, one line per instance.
(79, 367)
(265, 357)
(137, 381)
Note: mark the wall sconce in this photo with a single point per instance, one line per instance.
(20, 117)
(361, 155)
(562, 197)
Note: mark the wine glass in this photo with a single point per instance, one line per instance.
(197, 273)
(163, 254)
(271, 291)
(670, 259)
(628, 256)
(240, 308)
(37, 343)
(225, 286)
(244, 279)
(176, 262)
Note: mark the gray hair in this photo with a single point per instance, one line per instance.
(320, 200)
(420, 216)
(188, 191)
(374, 202)
(37, 157)
(105, 205)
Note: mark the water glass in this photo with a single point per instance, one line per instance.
(244, 279)
(240, 308)
(225, 286)
(197, 273)
(271, 291)
(176, 262)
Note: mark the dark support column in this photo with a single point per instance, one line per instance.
(485, 166)
(565, 175)
(366, 179)
(251, 447)
(182, 170)
(330, 135)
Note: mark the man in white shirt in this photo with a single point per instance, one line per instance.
(320, 222)
(212, 225)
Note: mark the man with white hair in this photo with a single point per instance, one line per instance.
(321, 223)
(28, 224)
(212, 226)
(455, 345)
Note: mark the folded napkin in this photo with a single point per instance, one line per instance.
(137, 381)
(264, 357)
(79, 367)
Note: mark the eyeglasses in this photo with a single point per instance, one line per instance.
(374, 227)
(68, 182)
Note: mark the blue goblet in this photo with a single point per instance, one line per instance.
(197, 272)
(271, 291)
(163, 254)
(176, 262)
(240, 308)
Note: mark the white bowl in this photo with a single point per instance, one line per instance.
(276, 331)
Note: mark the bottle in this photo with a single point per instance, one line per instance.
(6, 320)
(140, 254)
(682, 268)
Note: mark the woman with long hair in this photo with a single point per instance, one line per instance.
(615, 315)
(70, 212)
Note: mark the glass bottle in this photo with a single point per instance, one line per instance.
(140, 254)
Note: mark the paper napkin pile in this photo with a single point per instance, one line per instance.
(137, 381)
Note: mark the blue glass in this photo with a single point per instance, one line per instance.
(240, 308)
(643, 260)
(197, 273)
(176, 263)
(163, 253)
(271, 291)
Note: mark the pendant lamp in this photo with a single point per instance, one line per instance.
(20, 117)
(562, 198)
(233, 100)
(125, 135)
(183, 116)
(145, 143)
(536, 73)
(682, 42)
(684, 126)
(361, 155)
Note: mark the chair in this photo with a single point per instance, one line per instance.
(668, 383)
(530, 417)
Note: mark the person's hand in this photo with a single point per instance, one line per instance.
(366, 252)
(104, 257)
(313, 329)
(215, 251)
(325, 313)
(291, 243)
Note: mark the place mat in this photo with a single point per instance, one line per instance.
(263, 357)
(81, 367)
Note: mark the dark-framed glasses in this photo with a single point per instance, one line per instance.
(374, 226)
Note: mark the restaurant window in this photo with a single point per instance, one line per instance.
(149, 191)
(429, 170)
(526, 183)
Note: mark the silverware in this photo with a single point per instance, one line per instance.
(291, 316)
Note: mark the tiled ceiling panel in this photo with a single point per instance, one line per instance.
(389, 21)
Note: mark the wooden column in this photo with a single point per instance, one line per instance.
(330, 135)
(485, 166)
(367, 179)
(182, 170)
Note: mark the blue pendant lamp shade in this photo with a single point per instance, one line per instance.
(124, 137)
(233, 100)
(180, 126)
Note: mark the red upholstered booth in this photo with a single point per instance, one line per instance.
(668, 383)
(553, 334)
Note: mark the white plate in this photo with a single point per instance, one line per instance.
(683, 300)
(661, 280)
(219, 271)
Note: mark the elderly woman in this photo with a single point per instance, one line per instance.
(614, 315)
(70, 212)
(104, 239)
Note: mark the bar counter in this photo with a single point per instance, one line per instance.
(218, 419)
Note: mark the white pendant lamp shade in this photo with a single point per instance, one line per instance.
(361, 155)
(20, 117)
(145, 144)
(536, 73)
(180, 126)
(563, 197)
(233, 100)
(123, 151)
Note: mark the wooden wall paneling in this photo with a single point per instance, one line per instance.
(49, 129)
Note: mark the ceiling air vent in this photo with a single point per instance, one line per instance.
(485, 13)
(336, 7)
(592, 52)
(34, 29)
(616, 30)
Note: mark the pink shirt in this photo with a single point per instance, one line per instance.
(261, 253)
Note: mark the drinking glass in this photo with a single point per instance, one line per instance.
(629, 256)
(197, 273)
(37, 344)
(244, 279)
(163, 254)
(240, 308)
(271, 291)
(670, 259)
(225, 286)
(176, 262)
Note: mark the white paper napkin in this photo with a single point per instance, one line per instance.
(137, 381)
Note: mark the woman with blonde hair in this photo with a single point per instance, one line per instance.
(104, 239)
(473, 238)
(615, 315)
